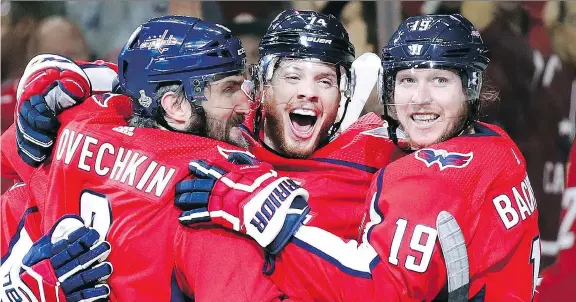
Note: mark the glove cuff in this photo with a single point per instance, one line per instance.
(294, 220)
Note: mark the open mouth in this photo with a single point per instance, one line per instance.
(424, 119)
(303, 122)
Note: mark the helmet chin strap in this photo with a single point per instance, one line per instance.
(344, 94)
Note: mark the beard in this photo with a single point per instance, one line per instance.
(275, 131)
(462, 126)
(212, 127)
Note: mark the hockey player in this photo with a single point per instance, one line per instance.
(302, 89)
(102, 172)
(431, 82)
(23, 244)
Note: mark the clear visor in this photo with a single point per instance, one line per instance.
(419, 86)
(422, 97)
(224, 91)
(287, 79)
(296, 71)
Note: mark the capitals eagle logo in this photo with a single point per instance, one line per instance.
(443, 158)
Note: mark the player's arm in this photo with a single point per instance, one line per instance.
(398, 257)
(50, 85)
(65, 265)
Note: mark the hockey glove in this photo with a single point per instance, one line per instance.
(36, 130)
(244, 195)
(65, 265)
(50, 84)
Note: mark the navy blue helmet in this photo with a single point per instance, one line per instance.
(176, 49)
(305, 35)
(435, 41)
(308, 34)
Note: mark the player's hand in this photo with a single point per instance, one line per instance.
(59, 80)
(65, 265)
(50, 84)
(245, 195)
(36, 131)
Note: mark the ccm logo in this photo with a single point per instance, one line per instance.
(273, 202)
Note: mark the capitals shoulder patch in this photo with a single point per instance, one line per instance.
(102, 99)
(443, 158)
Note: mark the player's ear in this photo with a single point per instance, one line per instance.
(176, 109)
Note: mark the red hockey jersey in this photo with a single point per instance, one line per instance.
(7, 105)
(20, 226)
(338, 175)
(480, 179)
(346, 166)
(121, 181)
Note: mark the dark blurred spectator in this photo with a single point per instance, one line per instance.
(249, 30)
(108, 24)
(248, 20)
(260, 10)
(501, 25)
(415, 8)
(58, 35)
(539, 38)
(20, 21)
(359, 18)
(411, 8)
(554, 106)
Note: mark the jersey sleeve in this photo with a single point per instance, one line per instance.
(20, 225)
(214, 264)
(410, 268)
(12, 166)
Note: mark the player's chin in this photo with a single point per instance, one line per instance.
(301, 145)
(235, 137)
(298, 148)
(423, 138)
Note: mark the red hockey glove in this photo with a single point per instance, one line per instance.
(60, 81)
(244, 195)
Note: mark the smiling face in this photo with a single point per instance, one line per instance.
(300, 104)
(430, 104)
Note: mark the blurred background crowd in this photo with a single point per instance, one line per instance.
(533, 63)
